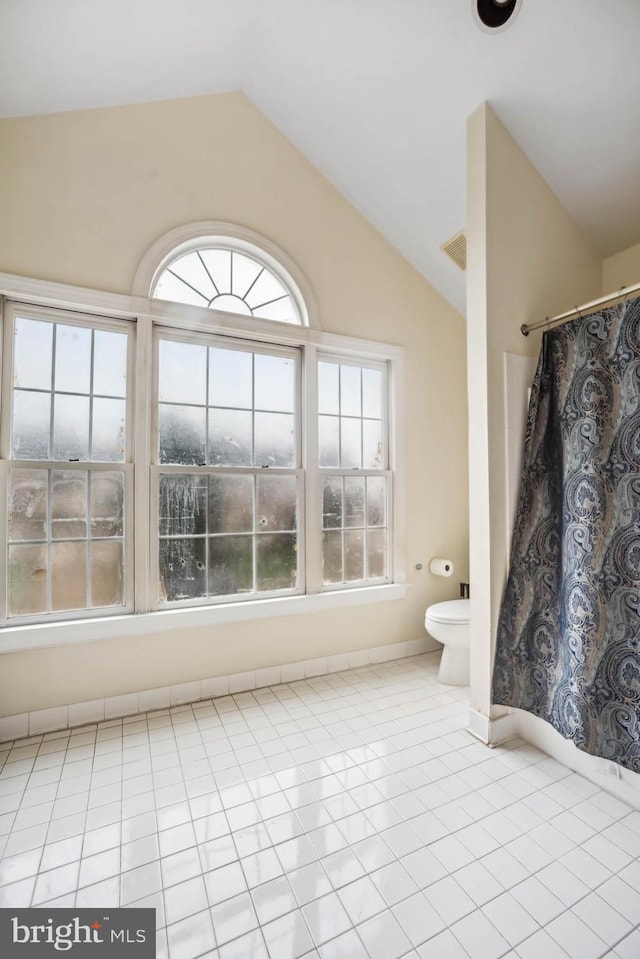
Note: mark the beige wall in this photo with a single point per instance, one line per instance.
(84, 195)
(526, 260)
(622, 269)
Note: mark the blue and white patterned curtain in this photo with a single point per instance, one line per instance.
(568, 643)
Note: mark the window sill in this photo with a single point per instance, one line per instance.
(17, 638)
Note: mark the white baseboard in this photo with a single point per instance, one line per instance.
(129, 704)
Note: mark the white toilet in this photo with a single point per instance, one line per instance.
(449, 623)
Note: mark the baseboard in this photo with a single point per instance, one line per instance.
(130, 704)
(492, 731)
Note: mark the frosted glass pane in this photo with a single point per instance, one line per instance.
(218, 263)
(230, 565)
(282, 311)
(353, 555)
(182, 376)
(230, 438)
(373, 457)
(350, 396)
(372, 393)
(181, 430)
(276, 503)
(230, 378)
(328, 388)
(265, 289)
(190, 268)
(169, 287)
(328, 441)
(377, 552)
(183, 569)
(109, 363)
(73, 358)
(332, 503)
(32, 354)
(350, 443)
(27, 580)
(230, 304)
(274, 439)
(182, 505)
(68, 576)
(354, 501)
(245, 272)
(31, 424)
(27, 504)
(376, 500)
(276, 561)
(274, 383)
(107, 573)
(331, 557)
(70, 427)
(107, 503)
(230, 504)
(108, 430)
(68, 504)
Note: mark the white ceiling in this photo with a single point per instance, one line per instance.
(375, 92)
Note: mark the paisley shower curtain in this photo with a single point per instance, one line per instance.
(568, 643)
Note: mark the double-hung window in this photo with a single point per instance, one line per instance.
(191, 457)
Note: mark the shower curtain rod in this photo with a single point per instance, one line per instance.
(622, 293)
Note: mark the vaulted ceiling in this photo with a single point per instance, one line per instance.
(374, 92)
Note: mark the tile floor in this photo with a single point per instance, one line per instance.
(349, 816)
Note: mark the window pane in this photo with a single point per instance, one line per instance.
(181, 431)
(274, 383)
(372, 444)
(73, 358)
(183, 569)
(107, 573)
(276, 503)
(376, 500)
(328, 388)
(265, 289)
(230, 438)
(108, 430)
(354, 501)
(332, 503)
(32, 354)
(350, 396)
(353, 555)
(68, 576)
(218, 263)
(107, 503)
(245, 273)
(274, 439)
(350, 443)
(182, 505)
(230, 504)
(328, 441)
(27, 504)
(230, 378)
(68, 505)
(109, 363)
(332, 557)
(183, 372)
(169, 287)
(377, 552)
(230, 565)
(372, 393)
(31, 425)
(27, 580)
(70, 427)
(190, 268)
(277, 561)
(282, 311)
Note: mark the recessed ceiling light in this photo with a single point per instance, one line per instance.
(495, 15)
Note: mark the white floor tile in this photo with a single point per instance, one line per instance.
(576, 938)
(480, 937)
(287, 937)
(326, 918)
(510, 919)
(383, 937)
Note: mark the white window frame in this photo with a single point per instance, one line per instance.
(146, 314)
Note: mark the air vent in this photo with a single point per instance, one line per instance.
(456, 249)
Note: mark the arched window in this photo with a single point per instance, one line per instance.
(225, 268)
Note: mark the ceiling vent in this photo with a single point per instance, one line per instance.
(456, 249)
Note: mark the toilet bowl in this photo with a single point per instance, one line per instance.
(449, 623)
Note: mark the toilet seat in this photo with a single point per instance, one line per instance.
(451, 611)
